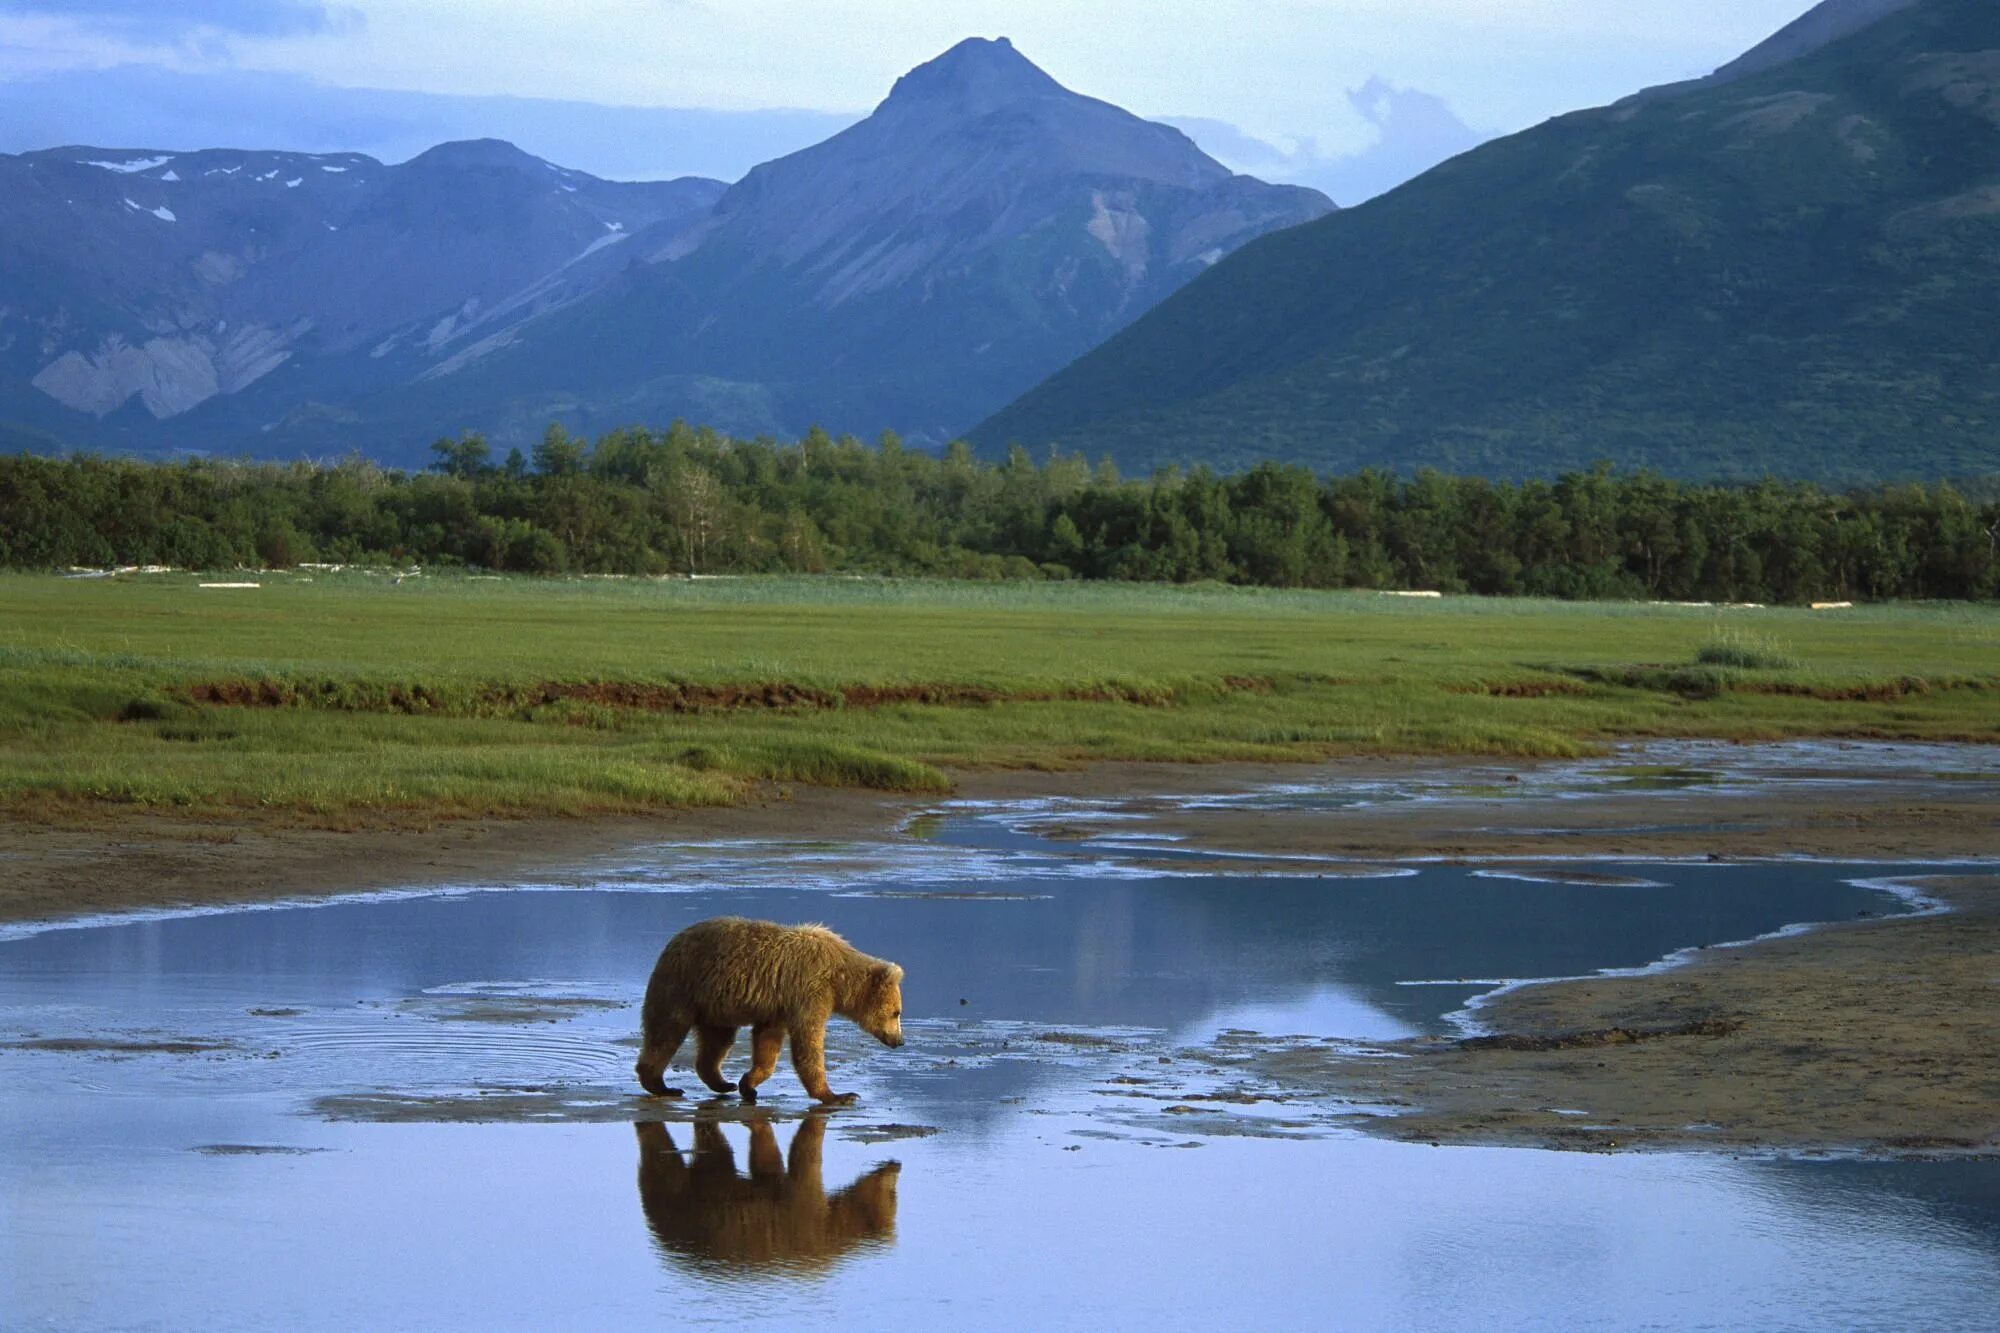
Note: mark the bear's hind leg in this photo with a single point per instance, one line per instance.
(767, 1042)
(809, 1058)
(711, 1046)
(661, 1045)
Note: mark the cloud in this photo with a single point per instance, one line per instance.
(1411, 131)
(181, 20)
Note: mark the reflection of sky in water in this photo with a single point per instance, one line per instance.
(1045, 1199)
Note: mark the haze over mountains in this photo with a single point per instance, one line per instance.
(916, 271)
(178, 110)
(1790, 267)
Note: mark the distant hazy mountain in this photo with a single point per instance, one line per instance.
(158, 300)
(914, 272)
(1793, 268)
(182, 109)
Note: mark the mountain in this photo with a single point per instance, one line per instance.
(914, 272)
(179, 109)
(1823, 23)
(1792, 270)
(157, 300)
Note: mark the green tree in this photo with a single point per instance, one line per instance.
(467, 456)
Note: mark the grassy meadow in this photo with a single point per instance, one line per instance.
(338, 696)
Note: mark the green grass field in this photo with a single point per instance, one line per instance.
(340, 695)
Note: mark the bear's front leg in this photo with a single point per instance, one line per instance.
(809, 1058)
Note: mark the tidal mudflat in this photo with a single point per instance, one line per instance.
(1115, 1104)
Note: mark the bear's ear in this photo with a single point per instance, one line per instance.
(888, 974)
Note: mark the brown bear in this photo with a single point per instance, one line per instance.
(701, 1212)
(720, 975)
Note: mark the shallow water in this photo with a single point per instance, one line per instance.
(1916, 769)
(416, 1112)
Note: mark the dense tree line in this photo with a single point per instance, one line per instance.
(691, 501)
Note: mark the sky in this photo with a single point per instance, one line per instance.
(1291, 89)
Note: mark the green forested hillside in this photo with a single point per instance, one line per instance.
(1792, 273)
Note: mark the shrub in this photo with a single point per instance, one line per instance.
(1745, 654)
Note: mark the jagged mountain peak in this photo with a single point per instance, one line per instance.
(977, 75)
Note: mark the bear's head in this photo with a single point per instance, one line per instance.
(881, 1015)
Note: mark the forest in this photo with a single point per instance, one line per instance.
(691, 501)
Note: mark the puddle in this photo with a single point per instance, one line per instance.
(419, 1111)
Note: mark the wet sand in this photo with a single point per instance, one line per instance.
(1873, 1037)
(1852, 824)
(137, 861)
(134, 861)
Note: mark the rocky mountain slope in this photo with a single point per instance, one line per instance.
(914, 272)
(982, 228)
(139, 288)
(1792, 269)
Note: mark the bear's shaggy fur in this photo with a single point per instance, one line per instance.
(779, 981)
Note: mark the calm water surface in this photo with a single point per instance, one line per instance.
(246, 1159)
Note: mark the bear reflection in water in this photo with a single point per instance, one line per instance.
(777, 1218)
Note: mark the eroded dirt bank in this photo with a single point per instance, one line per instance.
(131, 861)
(1880, 1037)
(126, 860)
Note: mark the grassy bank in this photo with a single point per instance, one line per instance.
(336, 695)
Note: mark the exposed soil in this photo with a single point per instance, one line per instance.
(564, 1103)
(506, 1010)
(1872, 692)
(1851, 820)
(1706, 682)
(135, 861)
(887, 1133)
(1523, 689)
(1880, 1037)
(657, 697)
(488, 1106)
(119, 1047)
(138, 861)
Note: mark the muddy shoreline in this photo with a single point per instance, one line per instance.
(1879, 1038)
(131, 861)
